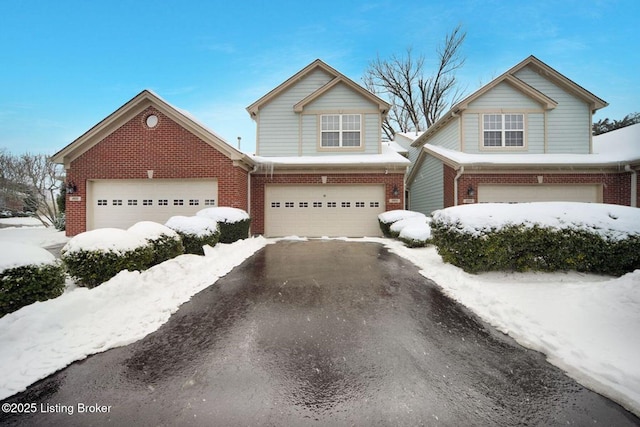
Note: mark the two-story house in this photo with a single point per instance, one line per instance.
(525, 136)
(320, 167)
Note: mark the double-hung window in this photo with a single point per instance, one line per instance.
(340, 130)
(503, 130)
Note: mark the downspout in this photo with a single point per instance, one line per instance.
(255, 168)
(455, 185)
(634, 185)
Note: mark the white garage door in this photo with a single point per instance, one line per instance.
(323, 210)
(539, 193)
(122, 203)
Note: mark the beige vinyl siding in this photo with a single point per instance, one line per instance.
(569, 124)
(427, 189)
(340, 97)
(278, 124)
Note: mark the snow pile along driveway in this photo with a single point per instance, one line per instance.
(44, 337)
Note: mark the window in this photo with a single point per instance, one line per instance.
(132, 202)
(374, 204)
(117, 202)
(147, 202)
(194, 202)
(346, 204)
(102, 202)
(163, 202)
(359, 204)
(289, 204)
(178, 202)
(317, 204)
(209, 202)
(503, 130)
(303, 204)
(340, 130)
(331, 204)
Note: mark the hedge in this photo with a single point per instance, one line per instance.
(522, 248)
(24, 285)
(166, 243)
(233, 223)
(195, 232)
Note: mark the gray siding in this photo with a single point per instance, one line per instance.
(472, 128)
(278, 124)
(569, 124)
(427, 189)
(449, 136)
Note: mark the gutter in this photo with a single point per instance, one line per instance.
(255, 168)
(455, 185)
(634, 185)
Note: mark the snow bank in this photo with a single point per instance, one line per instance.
(397, 215)
(613, 222)
(16, 254)
(39, 236)
(45, 337)
(152, 230)
(105, 240)
(195, 225)
(224, 214)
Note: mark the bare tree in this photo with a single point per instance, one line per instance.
(418, 100)
(34, 180)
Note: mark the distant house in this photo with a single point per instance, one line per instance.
(320, 169)
(525, 136)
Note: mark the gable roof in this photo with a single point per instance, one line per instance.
(510, 78)
(137, 104)
(337, 78)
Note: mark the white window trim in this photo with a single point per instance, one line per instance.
(502, 131)
(341, 132)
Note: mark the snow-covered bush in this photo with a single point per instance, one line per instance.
(415, 234)
(386, 219)
(166, 242)
(233, 223)
(27, 274)
(93, 257)
(60, 222)
(195, 231)
(586, 237)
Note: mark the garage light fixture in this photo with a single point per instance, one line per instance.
(470, 191)
(395, 191)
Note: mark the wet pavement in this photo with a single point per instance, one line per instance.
(318, 333)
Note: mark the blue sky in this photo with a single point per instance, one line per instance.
(66, 65)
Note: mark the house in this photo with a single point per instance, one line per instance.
(320, 167)
(525, 136)
(149, 161)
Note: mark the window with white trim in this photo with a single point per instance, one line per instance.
(340, 130)
(503, 130)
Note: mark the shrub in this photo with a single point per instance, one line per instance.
(386, 219)
(416, 234)
(529, 246)
(166, 243)
(233, 223)
(28, 274)
(94, 257)
(195, 231)
(60, 222)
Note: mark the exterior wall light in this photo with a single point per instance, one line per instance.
(395, 191)
(470, 191)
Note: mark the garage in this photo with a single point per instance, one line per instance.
(540, 193)
(122, 203)
(323, 210)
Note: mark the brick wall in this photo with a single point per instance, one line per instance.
(616, 186)
(259, 181)
(168, 149)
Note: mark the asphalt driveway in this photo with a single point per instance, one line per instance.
(318, 333)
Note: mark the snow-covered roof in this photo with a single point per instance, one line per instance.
(410, 135)
(388, 157)
(395, 147)
(624, 143)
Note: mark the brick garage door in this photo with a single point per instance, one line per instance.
(122, 203)
(323, 210)
(540, 193)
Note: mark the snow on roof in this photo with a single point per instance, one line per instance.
(610, 157)
(387, 157)
(625, 143)
(393, 145)
(410, 135)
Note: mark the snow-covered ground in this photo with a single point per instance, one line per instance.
(586, 324)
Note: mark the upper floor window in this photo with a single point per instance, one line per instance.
(503, 130)
(340, 130)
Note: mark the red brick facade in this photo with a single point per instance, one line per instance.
(616, 186)
(168, 149)
(259, 181)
